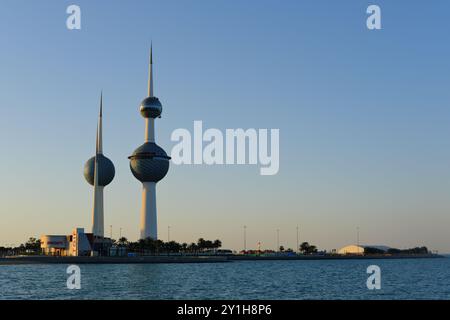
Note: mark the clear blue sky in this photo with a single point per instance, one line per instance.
(364, 117)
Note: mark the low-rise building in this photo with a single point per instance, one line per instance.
(78, 243)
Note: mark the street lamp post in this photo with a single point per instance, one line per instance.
(278, 240)
(245, 239)
(357, 238)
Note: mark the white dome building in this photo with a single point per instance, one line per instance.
(355, 249)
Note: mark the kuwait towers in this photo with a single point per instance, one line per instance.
(99, 172)
(149, 163)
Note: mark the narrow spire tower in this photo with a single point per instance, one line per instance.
(149, 163)
(99, 172)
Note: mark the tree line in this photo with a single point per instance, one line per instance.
(33, 245)
(416, 250)
(150, 245)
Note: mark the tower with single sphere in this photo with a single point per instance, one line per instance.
(149, 163)
(99, 172)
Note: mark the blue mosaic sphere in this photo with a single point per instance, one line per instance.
(149, 163)
(106, 170)
(151, 107)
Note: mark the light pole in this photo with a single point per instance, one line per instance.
(357, 237)
(245, 239)
(296, 250)
(168, 233)
(110, 231)
(120, 233)
(278, 240)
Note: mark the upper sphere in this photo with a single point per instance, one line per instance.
(151, 107)
(106, 170)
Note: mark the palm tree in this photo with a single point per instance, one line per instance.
(122, 241)
(217, 244)
(306, 248)
(33, 244)
(193, 248)
(173, 246)
(209, 244)
(201, 244)
(312, 249)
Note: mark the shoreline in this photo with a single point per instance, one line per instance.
(338, 257)
(22, 260)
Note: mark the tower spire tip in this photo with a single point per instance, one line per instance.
(150, 72)
(101, 103)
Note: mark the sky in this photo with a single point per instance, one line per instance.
(364, 118)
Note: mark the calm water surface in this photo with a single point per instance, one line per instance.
(332, 279)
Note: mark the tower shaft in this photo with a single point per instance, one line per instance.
(99, 172)
(98, 223)
(148, 211)
(97, 211)
(150, 122)
(149, 130)
(149, 163)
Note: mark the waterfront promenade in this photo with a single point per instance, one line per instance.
(17, 260)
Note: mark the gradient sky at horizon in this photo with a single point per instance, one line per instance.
(363, 117)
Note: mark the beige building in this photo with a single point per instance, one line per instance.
(54, 245)
(76, 244)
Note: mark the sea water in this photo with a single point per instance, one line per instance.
(300, 279)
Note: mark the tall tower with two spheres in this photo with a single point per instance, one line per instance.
(149, 163)
(99, 171)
